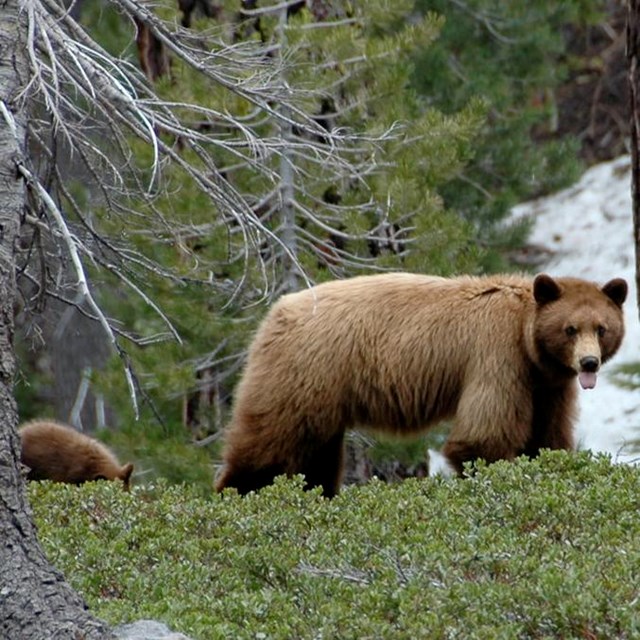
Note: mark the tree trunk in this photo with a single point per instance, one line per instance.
(35, 601)
(633, 50)
(289, 234)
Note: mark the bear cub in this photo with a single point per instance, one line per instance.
(53, 451)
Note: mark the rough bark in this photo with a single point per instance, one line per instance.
(35, 600)
(633, 51)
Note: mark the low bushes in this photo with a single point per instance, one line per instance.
(548, 548)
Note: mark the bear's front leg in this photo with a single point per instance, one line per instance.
(554, 417)
(491, 423)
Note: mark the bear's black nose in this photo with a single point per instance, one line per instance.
(589, 363)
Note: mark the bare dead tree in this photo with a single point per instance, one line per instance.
(84, 90)
(68, 106)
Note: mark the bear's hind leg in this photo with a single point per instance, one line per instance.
(323, 465)
(254, 455)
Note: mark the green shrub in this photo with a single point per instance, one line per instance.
(536, 549)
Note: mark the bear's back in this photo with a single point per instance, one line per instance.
(403, 293)
(421, 336)
(389, 313)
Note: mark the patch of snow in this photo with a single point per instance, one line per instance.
(588, 229)
(439, 465)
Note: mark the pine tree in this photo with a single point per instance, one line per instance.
(511, 54)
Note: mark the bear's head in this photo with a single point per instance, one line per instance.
(109, 470)
(577, 326)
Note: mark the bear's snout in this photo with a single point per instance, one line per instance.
(589, 364)
(587, 376)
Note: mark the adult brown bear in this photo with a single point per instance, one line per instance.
(53, 451)
(399, 352)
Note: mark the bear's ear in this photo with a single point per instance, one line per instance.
(545, 289)
(616, 290)
(125, 474)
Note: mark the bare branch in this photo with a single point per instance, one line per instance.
(82, 284)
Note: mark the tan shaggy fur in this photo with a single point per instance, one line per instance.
(400, 352)
(54, 451)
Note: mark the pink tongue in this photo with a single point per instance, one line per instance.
(587, 379)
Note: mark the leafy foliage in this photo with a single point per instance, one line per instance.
(532, 549)
(513, 55)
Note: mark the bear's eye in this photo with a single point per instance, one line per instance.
(601, 331)
(571, 330)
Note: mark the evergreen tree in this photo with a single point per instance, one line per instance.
(513, 55)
